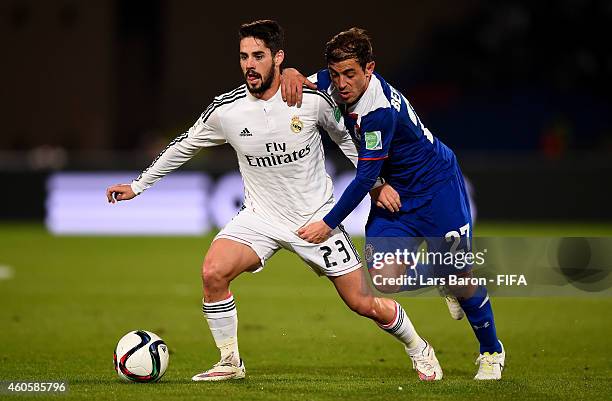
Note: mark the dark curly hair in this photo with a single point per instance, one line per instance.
(353, 43)
(268, 31)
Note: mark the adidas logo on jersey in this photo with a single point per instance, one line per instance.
(245, 132)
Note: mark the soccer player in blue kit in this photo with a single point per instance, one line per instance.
(394, 144)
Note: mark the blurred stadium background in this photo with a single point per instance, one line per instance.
(519, 89)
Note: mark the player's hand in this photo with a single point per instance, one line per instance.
(119, 192)
(316, 232)
(386, 197)
(291, 86)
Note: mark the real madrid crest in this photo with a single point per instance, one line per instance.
(296, 125)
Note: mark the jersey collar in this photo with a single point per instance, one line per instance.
(277, 97)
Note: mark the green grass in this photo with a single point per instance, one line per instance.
(72, 298)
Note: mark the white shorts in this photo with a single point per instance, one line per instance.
(335, 257)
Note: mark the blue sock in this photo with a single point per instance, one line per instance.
(480, 315)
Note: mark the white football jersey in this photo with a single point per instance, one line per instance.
(279, 149)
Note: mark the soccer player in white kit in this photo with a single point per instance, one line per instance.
(281, 159)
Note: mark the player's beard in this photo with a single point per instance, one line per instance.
(265, 83)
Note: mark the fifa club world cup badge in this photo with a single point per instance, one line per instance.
(296, 125)
(337, 114)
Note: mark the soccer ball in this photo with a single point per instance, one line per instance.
(141, 356)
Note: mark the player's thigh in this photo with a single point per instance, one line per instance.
(447, 221)
(387, 234)
(334, 257)
(448, 214)
(448, 228)
(242, 245)
(252, 232)
(383, 223)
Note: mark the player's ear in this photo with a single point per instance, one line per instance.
(279, 57)
(369, 70)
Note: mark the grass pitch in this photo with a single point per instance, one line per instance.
(72, 298)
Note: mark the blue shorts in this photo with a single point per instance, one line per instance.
(442, 221)
(435, 216)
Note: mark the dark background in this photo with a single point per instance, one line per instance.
(519, 89)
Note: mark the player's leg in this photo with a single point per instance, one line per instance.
(225, 260)
(476, 304)
(356, 294)
(339, 261)
(385, 233)
(451, 224)
(388, 232)
(239, 247)
(391, 317)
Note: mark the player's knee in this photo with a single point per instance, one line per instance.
(212, 273)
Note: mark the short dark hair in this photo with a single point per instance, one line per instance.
(353, 43)
(268, 31)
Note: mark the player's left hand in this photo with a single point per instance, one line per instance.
(119, 192)
(316, 232)
(386, 197)
(291, 86)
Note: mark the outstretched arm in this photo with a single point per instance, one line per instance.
(203, 133)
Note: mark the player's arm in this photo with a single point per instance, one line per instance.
(374, 149)
(204, 133)
(331, 120)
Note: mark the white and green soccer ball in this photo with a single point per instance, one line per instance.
(141, 356)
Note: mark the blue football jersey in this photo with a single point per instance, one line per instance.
(393, 144)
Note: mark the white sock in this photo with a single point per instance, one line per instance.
(401, 328)
(222, 319)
